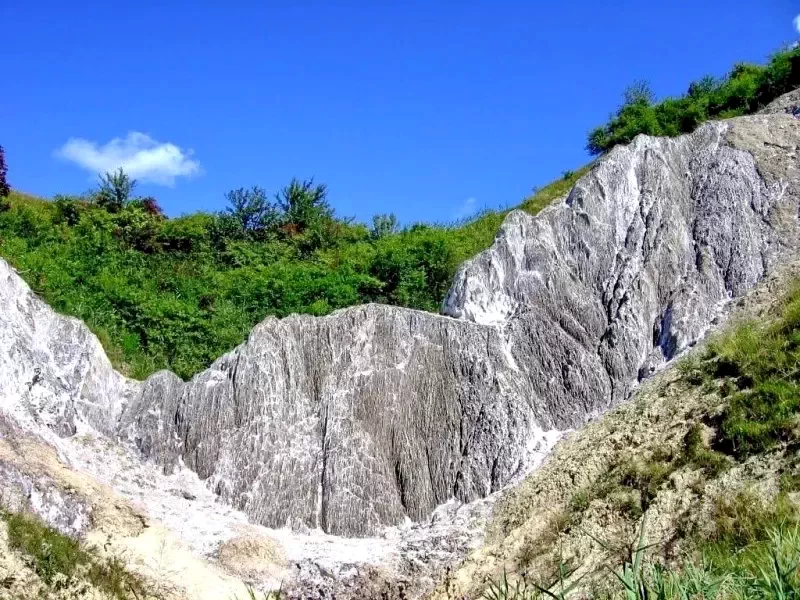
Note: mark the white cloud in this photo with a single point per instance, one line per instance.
(797, 23)
(466, 209)
(138, 154)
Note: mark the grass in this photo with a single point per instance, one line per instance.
(758, 366)
(544, 197)
(58, 559)
(752, 553)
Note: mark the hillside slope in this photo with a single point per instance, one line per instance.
(355, 421)
(703, 461)
(397, 411)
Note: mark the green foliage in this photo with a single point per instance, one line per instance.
(52, 554)
(177, 293)
(67, 210)
(115, 190)
(304, 206)
(697, 453)
(744, 519)
(745, 90)
(251, 209)
(383, 225)
(759, 366)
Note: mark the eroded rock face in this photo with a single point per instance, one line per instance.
(350, 421)
(53, 370)
(374, 414)
(633, 265)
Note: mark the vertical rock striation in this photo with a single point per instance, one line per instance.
(375, 414)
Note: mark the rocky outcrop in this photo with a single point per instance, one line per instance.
(348, 422)
(373, 414)
(632, 266)
(54, 374)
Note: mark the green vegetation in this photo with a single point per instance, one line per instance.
(759, 369)
(745, 90)
(753, 552)
(5, 189)
(177, 293)
(58, 559)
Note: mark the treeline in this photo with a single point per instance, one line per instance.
(745, 90)
(178, 292)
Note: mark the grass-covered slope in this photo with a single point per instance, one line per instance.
(177, 293)
(37, 561)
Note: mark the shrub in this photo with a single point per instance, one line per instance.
(68, 210)
(251, 209)
(746, 89)
(115, 190)
(191, 233)
(697, 453)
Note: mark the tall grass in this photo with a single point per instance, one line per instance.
(58, 559)
(766, 569)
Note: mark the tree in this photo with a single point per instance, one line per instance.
(383, 225)
(304, 205)
(639, 92)
(702, 88)
(115, 190)
(5, 189)
(251, 209)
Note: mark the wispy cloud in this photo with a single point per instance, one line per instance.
(138, 154)
(797, 23)
(466, 208)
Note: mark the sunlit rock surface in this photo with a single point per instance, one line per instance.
(376, 414)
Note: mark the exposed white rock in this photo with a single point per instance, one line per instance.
(375, 415)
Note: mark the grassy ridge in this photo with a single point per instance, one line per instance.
(745, 90)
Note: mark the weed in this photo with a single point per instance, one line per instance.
(580, 501)
(55, 558)
(697, 453)
(789, 482)
(690, 369)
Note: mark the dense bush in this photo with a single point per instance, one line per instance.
(746, 89)
(177, 293)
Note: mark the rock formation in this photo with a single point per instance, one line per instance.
(373, 414)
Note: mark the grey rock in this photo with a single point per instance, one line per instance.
(27, 491)
(356, 420)
(347, 422)
(784, 104)
(376, 414)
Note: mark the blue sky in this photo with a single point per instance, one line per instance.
(426, 109)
